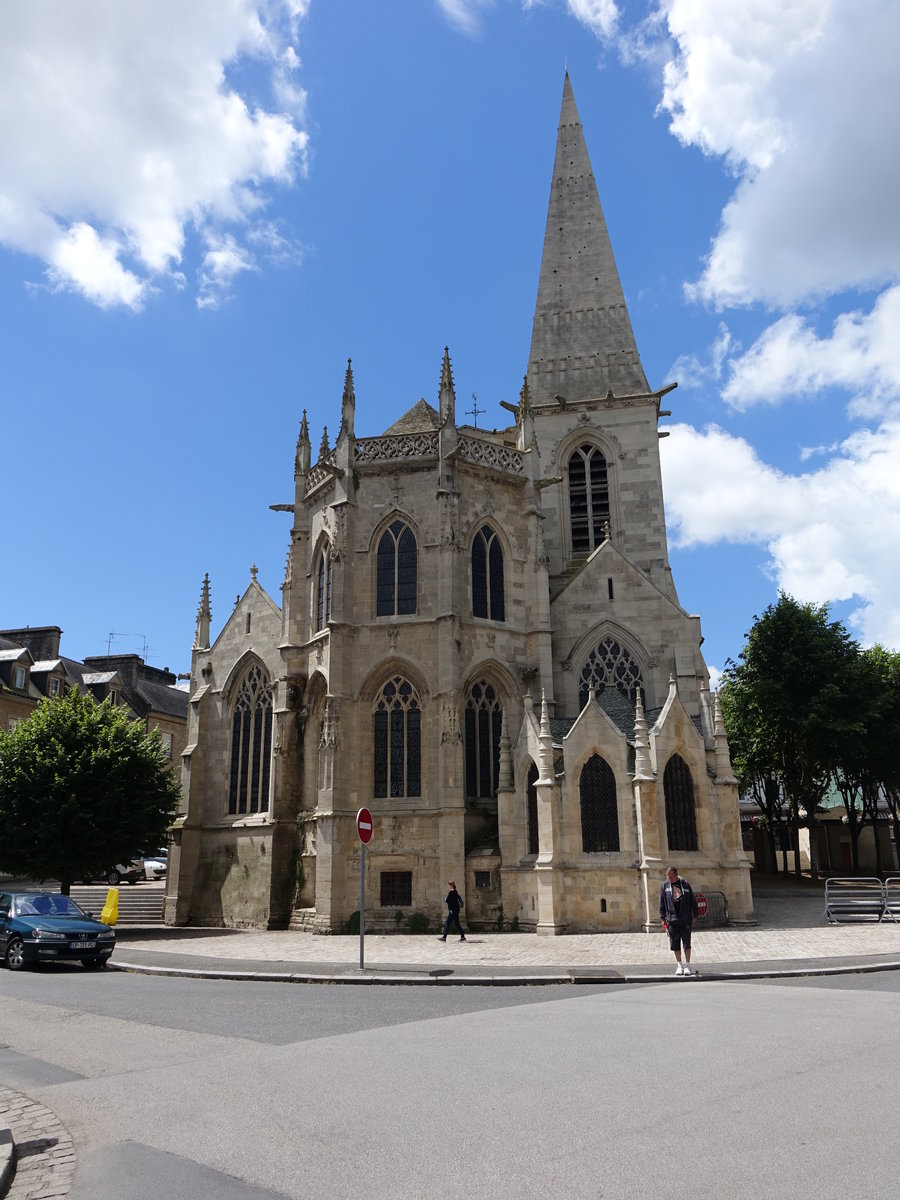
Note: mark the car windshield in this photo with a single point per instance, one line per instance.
(47, 905)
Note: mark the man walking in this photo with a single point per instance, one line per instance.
(677, 911)
(454, 903)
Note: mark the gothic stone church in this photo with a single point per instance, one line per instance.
(479, 640)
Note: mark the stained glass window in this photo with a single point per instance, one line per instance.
(609, 664)
(599, 806)
(397, 731)
(532, 811)
(681, 817)
(251, 744)
(484, 720)
(588, 498)
(487, 576)
(396, 572)
(323, 589)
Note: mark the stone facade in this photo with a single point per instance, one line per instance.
(479, 640)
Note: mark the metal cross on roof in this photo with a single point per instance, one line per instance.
(475, 410)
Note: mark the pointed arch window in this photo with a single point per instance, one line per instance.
(599, 807)
(397, 572)
(588, 498)
(323, 588)
(251, 744)
(681, 816)
(397, 731)
(483, 721)
(609, 664)
(487, 575)
(531, 814)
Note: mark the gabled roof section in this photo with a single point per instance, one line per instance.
(582, 343)
(421, 418)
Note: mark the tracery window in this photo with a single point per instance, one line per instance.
(397, 567)
(487, 575)
(532, 811)
(681, 816)
(588, 497)
(397, 729)
(483, 720)
(323, 588)
(609, 664)
(599, 806)
(251, 744)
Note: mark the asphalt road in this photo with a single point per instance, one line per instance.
(242, 1091)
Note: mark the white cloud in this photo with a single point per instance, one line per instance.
(862, 356)
(692, 371)
(119, 134)
(464, 15)
(600, 16)
(800, 99)
(224, 260)
(830, 534)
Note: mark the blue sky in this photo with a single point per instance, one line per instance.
(206, 208)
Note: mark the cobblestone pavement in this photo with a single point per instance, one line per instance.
(789, 929)
(45, 1156)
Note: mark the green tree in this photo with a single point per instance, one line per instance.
(81, 787)
(789, 691)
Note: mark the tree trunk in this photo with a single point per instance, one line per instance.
(813, 850)
(854, 839)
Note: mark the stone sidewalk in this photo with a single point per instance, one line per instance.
(791, 931)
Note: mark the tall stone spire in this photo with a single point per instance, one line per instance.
(204, 616)
(302, 457)
(447, 395)
(348, 403)
(582, 343)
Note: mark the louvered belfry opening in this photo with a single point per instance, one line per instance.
(681, 816)
(599, 807)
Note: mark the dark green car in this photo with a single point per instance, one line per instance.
(38, 927)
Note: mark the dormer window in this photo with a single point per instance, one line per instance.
(56, 687)
(20, 678)
(113, 696)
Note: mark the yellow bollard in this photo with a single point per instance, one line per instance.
(110, 913)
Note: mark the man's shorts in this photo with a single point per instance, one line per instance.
(679, 935)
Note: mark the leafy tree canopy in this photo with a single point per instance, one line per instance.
(82, 787)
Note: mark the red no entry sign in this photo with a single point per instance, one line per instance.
(364, 826)
(702, 902)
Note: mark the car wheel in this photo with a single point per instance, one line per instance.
(114, 877)
(15, 954)
(93, 964)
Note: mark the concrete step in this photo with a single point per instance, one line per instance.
(139, 903)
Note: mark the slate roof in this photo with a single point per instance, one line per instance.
(421, 418)
(46, 665)
(161, 698)
(94, 677)
(12, 654)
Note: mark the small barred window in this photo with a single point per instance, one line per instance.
(396, 889)
(483, 879)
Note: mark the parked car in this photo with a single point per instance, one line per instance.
(121, 873)
(40, 927)
(155, 865)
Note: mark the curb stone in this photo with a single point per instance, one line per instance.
(39, 1158)
(7, 1156)
(435, 978)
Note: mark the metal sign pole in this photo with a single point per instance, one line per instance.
(362, 904)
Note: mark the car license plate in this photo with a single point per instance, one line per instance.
(84, 945)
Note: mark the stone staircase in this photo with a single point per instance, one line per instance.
(302, 920)
(139, 903)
